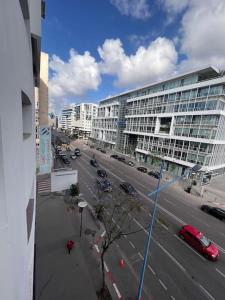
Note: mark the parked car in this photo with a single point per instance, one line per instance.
(102, 173)
(214, 211)
(129, 163)
(199, 242)
(103, 151)
(98, 148)
(66, 160)
(155, 174)
(114, 156)
(128, 188)
(77, 152)
(94, 163)
(73, 156)
(142, 169)
(120, 158)
(104, 185)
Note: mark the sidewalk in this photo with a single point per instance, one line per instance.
(59, 275)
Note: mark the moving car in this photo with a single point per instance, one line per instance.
(198, 241)
(65, 160)
(154, 174)
(128, 188)
(102, 173)
(94, 163)
(214, 211)
(114, 156)
(77, 152)
(104, 185)
(142, 169)
(120, 158)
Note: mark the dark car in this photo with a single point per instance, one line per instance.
(129, 163)
(103, 151)
(94, 163)
(65, 160)
(142, 169)
(77, 152)
(104, 185)
(154, 174)
(98, 148)
(114, 156)
(102, 173)
(120, 158)
(128, 188)
(214, 211)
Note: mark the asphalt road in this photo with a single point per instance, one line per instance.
(175, 270)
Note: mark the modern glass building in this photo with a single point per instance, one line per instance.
(181, 119)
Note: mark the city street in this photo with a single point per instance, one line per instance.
(175, 270)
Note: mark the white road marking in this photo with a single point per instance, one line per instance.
(173, 298)
(186, 244)
(132, 245)
(142, 227)
(103, 233)
(97, 249)
(221, 273)
(170, 256)
(206, 292)
(164, 226)
(163, 285)
(144, 209)
(106, 267)
(140, 255)
(117, 291)
(153, 272)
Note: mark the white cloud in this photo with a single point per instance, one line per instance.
(138, 9)
(175, 6)
(72, 78)
(203, 32)
(149, 64)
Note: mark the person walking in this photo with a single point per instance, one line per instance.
(69, 245)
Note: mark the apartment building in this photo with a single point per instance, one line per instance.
(82, 118)
(181, 120)
(20, 35)
(66, 118)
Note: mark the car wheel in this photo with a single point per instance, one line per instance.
(206, 256)
(181, 236)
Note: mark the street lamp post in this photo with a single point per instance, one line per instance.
(196, 168)
(82, 205)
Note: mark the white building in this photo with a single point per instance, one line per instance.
(82, 118)
(66, 118)
(20, 35)
(181, 119)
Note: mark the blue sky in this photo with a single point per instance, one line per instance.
(99, 48)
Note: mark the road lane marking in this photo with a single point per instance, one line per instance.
(163, 285)
(142, 227)
(132, 245)
(170, 256)
(103, 233)
(153, 272)
(206, 292)
(117, 291)
(186, 244)
(221, 273)
(173, 298)
(97, 249)
(106, 267)
(140, 255)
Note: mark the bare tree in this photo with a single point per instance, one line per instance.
(115, 216)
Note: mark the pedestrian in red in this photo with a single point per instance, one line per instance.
(69, 245)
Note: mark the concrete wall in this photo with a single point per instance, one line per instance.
(17, 151)
(43, 90)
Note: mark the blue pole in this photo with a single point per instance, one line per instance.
(150, 229)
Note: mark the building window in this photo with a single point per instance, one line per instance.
(26, 115)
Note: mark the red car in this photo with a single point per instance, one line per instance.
(198, 241)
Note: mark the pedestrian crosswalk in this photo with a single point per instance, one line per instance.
(44, 185)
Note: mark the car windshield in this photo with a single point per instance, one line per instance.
(204, 241)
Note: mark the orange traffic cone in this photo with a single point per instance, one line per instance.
(121, 263)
